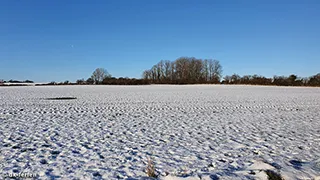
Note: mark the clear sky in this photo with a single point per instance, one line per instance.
(57, 40)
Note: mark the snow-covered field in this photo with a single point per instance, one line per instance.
(194, 131)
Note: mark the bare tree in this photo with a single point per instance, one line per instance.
(154, 73)
(173, 71)
(80, 81)
(215, 70)
(99, 74)
(167, 67)
(160, 71)
(210, 69)
(205, 70)
(227, 80)
(195, 70)
(182, 67)
(235, 79)
(246, 79)
(90, 81)
(292, 79)
(314, 80)
(146, 74)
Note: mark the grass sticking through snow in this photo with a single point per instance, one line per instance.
(151, 169)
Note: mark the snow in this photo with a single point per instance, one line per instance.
(191, 131)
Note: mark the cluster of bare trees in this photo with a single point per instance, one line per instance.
(292, 80)
(185, 70)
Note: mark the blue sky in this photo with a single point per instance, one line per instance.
(66, 40)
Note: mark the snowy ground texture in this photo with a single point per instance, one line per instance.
(190, 131)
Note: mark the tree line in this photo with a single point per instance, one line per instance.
(183, 75)
(186, 70)
(292, 80)
(15, 81)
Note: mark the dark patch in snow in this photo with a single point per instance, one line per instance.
(43, 161)
(277, 166)
(61, 98)
(296, 164)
